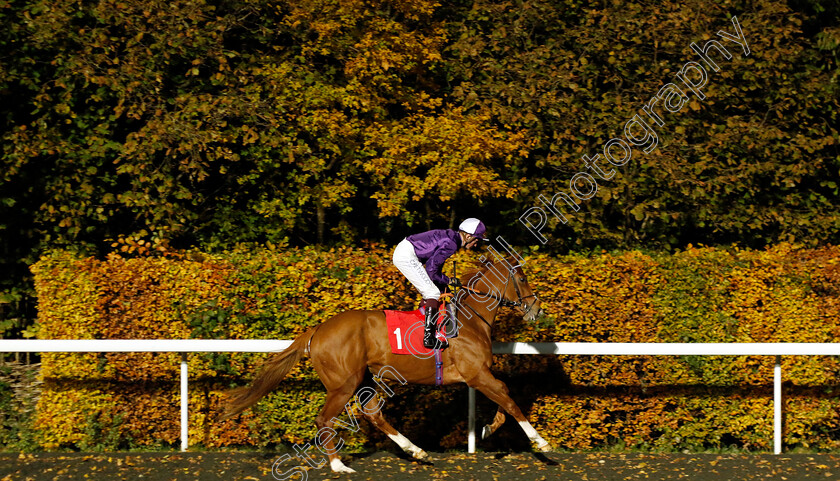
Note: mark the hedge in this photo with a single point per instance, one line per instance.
(783, 294)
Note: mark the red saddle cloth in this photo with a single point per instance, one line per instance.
(405, 333)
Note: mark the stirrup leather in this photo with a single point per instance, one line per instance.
(430, 340)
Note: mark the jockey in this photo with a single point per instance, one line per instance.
(433, 248)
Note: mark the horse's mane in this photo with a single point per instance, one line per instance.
(481, 268)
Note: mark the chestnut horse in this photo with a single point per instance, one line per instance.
(346, 346)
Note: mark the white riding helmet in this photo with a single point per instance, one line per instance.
(473, 226)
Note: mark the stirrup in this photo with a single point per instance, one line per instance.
(430, 340)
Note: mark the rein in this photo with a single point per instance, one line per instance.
(502, 301)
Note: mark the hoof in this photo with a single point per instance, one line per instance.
(339, 467)
(421, 455)
(486, 432)
(343, 469)
(546, 448)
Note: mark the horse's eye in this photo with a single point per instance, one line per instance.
(521, 279)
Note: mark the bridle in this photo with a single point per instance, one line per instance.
(518, 304)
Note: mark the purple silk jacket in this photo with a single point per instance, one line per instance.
(433, 248)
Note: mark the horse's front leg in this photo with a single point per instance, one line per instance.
(498, 392)
(498, 420)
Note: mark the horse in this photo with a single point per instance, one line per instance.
(344, 348)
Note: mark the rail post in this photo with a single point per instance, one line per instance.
(778, 418)
(185, 401)
(471, 421)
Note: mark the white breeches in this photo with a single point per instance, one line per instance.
(407, 262)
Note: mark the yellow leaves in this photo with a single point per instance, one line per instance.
(668, 420)
(374, 48)
(386, 45)
(445, 156)
(249, 135)
(662, 402)
(63, 414)
(610, 297)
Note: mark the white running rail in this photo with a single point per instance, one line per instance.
(186, 346)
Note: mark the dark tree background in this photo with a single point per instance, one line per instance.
(146, 126)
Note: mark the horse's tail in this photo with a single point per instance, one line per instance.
(269, 377)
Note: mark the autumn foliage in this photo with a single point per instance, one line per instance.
(183, 124)
(783, 294)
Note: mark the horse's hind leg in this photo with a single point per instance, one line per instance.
(372, 413)
(498, 393)
(336, 401)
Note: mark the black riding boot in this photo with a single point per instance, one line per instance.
(429, 339)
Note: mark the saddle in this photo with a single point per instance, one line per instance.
(405, 330)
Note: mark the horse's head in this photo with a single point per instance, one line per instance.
(521, 297)
(510, 288)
